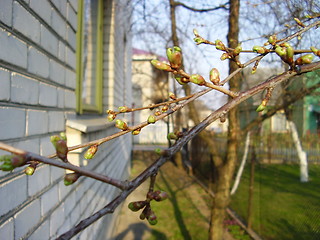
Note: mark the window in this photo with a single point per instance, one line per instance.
(89, 56)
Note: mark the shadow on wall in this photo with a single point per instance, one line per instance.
(137, 230)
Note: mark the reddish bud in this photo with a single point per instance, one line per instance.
(62, 149)
(136, 206)
(18, 160)
(305, 59)
(91, 152)
(71, 178)
(159, 195)
(181, 80)
(172, 96)
(215, 76)
(165, 108)
(152, 218)
(197, 79)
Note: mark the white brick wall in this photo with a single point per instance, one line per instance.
(37, 93)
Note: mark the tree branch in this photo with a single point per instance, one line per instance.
(221, 6)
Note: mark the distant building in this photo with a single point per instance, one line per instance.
(62, 64)
(150, 86)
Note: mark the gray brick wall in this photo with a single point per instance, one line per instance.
(37, 96)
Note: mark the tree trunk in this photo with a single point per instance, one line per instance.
(251, 187)
(304, 177)
(225, 173)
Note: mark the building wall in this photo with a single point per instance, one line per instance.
(38, 100)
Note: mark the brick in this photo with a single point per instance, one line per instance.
(56, 173)
(58, 24)
(48, 95)
(70, 99)
(70, 79)
(38, 63)
(61, 5)
(56, 220)
(49, 200)
(62, 51)
(71, 37)
(12, 122)
(6, 12)
(60, 93)
(42, 232)
(74, 4)
(25, 23)
(5, 84)
(72, 17)
(57, 72)
(39, 180)
(46, 147)
(31, 145)
(27, 218)
(24, 90)
(56, 121)
(15, 192)
(12, 50)
(49, 41)
(42, 8)
(7, 229)
(71, 58)
(37, 122)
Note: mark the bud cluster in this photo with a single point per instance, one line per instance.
(175, 57)
(60, 144)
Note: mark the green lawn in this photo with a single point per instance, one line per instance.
(284, 208)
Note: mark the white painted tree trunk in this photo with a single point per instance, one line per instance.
(243, 162)
(304, 177)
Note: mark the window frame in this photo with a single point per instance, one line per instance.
(82, 107)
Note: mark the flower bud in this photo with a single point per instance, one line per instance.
(159, 195)
(29, 170)
(62, 150)
(18, 160)
(158, 151)
(197, 79)
(172, 136)
(111, 117)
(70, 178)
(63, 136)
(215, 76)
(152, 218)
(198, 40)
(259, 49)
(124, 109)
(219, 45)
(181, 80)
(151, 119)
(172, 96)
(91, 152)
(237, 50)
(157, 113)
(281, 51)
(272, 39)
(54, 139)
(161, 65)
(136, 131)
(225, 56)
(6, 167)
(262, 106)
(315, 51)
(136, 206)
(121, 125)
(175, 57)
(305, 59)
(165, 108)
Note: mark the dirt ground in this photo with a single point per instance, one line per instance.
(128, 224)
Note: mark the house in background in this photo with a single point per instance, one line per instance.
(150, 86)
(62, 64)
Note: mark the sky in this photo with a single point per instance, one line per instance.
(152, 30)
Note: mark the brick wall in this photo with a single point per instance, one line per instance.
(37, 97)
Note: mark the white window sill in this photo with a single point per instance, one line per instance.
(87, 125)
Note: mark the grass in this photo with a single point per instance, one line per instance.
(184, 215)
(284, 208)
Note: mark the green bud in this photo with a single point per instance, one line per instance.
(151, 119)
(215, 76)
(29, 170)
(172, 136)
(136, 206)
(181, 80)
(161, 65)
(136, 131)
(70, 178)
(259, 49)
(225, 56)
(6, 167)
(219, 45)
(121, 125)
(197, 79)
(261, 107)
(152, 218)
(198, 40)
(91, 152)
(237, 50)
(315, 51)
(175, 57)
(272, 39)
(63, 136)
(158, 151)
(281, 51)
(54, 139)
(305, 59)
(111, 117)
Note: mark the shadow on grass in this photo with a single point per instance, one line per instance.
(138, 230)
(177, 212)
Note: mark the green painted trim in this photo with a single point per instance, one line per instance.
(79, 37)
(98, 106)
(99, 73)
